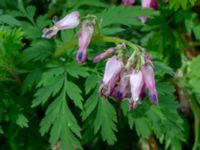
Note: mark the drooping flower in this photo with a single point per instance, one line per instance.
(84, 38)
(148, 74)
(68, 22)
(136, 84)
(103, 55)
(111, 76)
(128, 2)
(121, 91)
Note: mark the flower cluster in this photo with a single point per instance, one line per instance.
(123, 77)
(71, 21)
(129, 79)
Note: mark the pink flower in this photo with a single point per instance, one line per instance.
(146, 3)
(149, 80)
(120, 92)
(103, 55)
(84, 38)
(136, 84)
(149, 4)
(111, 76)
(128, 2)
(68, 22)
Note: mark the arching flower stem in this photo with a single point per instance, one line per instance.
(97, 39)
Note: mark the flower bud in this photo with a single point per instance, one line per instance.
(148, 74)
(68, 22)
(84, 38)
(103, 55)
(111, 75)
(120, 92)
(136, 84)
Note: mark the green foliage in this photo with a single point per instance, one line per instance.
(163, 119)
(49, 102)
(10, 20)
(181, 3)
(194, 76)
(104, 118)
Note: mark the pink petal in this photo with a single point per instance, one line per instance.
(69, 21)
(149, 80)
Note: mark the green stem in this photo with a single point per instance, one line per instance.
(195, 43)
(196, 112)
(96, 39)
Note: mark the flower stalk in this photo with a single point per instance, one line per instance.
(96, 39)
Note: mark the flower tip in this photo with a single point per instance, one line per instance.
(120, 95)
(76, 13)
(154, 99)
(96, 59)
(81, 57)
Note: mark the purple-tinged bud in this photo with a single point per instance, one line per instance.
(148, 74)
(103, 55)
(84, 38)
(111, 76)
(128, 2)
(120, 92)
(49, 32)
(116, 95)
(68, 22)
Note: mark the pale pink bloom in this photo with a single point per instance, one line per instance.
(68, 22)
(149, 4)
(103, 55)
(113, 68)
(136, 84)
(84, 38)
(146, 3)
(148, 74)
(111, 75)
(128, 2)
